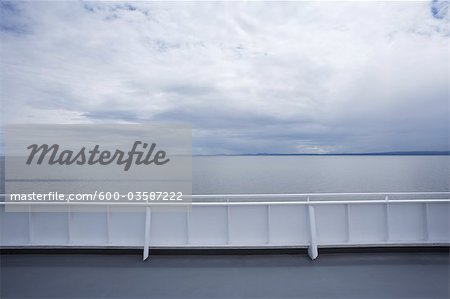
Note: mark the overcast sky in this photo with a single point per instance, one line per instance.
(251, 77)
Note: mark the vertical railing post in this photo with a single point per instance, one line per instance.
(388, 236)
(148, 217)
(426, 222)
(228, 222)
(188, 225)
(312, 250)
(348, 223)
(268, 225)
(69, 224)
(30, 226)
(108, 225)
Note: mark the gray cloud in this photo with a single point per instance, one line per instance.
(289, 77)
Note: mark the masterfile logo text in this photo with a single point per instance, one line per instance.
(148, 155)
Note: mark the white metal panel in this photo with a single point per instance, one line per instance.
(407, 222)
(14, 228)
(88, 228)
(50, 228)
(331, 223)
(127, 228)
(248, 225)
(439, 222)
(168, 227)
(367, 223)
(289, 225)
(208, 225)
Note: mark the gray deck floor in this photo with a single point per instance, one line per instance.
(362, 275)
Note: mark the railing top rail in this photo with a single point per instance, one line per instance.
(297, 195)
(224, 203)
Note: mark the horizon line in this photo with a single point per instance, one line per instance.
(393, 153)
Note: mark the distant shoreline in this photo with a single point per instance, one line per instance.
(413, 153)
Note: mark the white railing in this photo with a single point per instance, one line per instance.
(423, 219)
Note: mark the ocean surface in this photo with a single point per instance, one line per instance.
(311, 174)
(314, 174)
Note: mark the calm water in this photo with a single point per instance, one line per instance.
(308, 174)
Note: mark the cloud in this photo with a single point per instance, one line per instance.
(250, 77)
